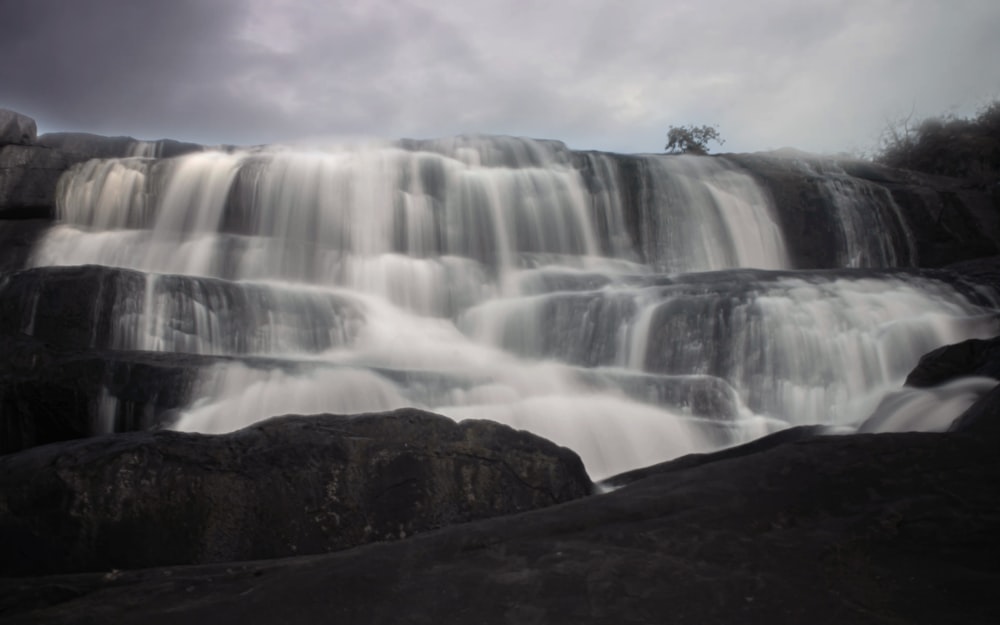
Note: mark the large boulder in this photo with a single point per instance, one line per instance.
(16, 129)
(287, 486)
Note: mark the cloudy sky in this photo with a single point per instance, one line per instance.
(820, 75)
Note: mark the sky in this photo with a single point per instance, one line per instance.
(821, 76)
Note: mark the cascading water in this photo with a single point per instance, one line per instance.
(872, 231)
(631, 308)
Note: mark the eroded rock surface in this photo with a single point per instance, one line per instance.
(287, 486)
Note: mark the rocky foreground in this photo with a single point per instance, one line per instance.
(899, 528)
(794, 528)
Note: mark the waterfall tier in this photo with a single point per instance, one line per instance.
(631, 308)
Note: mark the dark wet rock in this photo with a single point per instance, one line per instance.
(98, 307)
(28, 179)
(812, 232)
(864, 530)
(944, 220)
(982, 419)
(974, 357)
(764, 443)
(17, 238)
(16, 129)
(69, 307)
(286, 486)
(949, 224)
(86, 144)
(983, 272)
(49, 395)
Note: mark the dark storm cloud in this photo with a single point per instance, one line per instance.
(595, 73)
(110, 65)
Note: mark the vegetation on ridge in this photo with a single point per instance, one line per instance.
(949, 146)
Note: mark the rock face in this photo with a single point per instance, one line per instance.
(931, 221)
(61, 378)
(30, 167)
(827, 207)
(16, 129)
(71, 336)
(96, 307)
(287, 486)
(69, 307)
(82, 144)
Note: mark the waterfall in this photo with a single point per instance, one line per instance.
(631, 308)
(705, 215)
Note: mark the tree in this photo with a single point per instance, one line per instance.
(691, 139)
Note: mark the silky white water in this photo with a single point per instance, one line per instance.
(630, 314)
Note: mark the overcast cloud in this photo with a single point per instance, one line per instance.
(604, 74)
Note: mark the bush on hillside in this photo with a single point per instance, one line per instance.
(949, 146)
